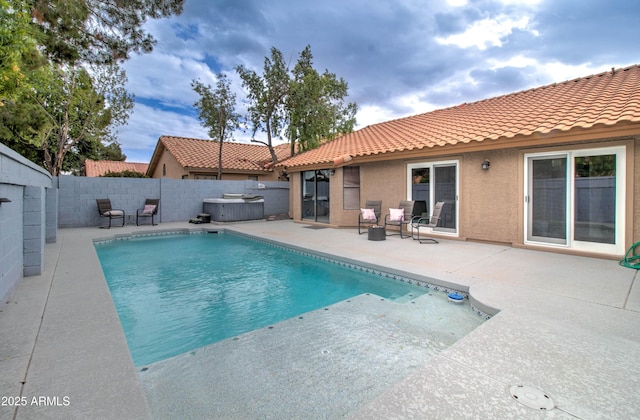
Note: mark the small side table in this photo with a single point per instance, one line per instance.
(377, 233)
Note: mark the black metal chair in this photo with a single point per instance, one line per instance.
(410, 210)
(376, 206)
(105, 210)
(427, 222)
(150, 209)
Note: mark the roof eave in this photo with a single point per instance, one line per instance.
(536, 139)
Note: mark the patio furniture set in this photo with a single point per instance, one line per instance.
(410, 213)
(150, 209)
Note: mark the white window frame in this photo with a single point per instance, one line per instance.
(617, 248)
(432, 191)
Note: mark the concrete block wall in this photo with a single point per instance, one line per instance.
(180, 199)
(11, 258)
(34, 230)
(77, 198)
(51, 217)
(23, 220)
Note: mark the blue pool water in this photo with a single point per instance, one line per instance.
(178, 293)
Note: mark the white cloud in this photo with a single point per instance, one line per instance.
(372, 114)
(560, 72)
(411, 104)
(521, 2)
(166, 78)
(487, 32)
(139, 137)
(518, 61)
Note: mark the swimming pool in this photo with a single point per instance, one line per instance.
(180, 292)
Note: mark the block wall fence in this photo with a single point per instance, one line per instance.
(180, 199)
(28, 219)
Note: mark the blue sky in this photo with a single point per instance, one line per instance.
(399, 57)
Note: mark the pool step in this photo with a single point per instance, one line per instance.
(407, 298)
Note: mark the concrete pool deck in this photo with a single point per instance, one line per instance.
(568, 326)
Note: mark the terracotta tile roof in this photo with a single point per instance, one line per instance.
(199, 153)
(603, 99)
(101, 167)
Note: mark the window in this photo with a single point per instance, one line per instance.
(164, 169)
(205, 176)
(252, 177)
(351, 187)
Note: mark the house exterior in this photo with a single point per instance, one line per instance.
(101, 167)
(555, 168)
(189, 158)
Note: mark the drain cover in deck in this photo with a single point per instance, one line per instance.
(532, 397)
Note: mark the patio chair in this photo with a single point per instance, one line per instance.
(427, 222)
(364, 218)
(402, 217)
(150, 209)
(105, 210)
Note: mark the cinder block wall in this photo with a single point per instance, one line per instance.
(11, 259)
(23, 220)
(33, 217)
(180, 199)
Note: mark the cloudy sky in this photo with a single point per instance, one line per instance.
(399, 57)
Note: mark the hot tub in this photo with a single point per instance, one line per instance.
(234, 207)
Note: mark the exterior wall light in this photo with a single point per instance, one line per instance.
(485, 165)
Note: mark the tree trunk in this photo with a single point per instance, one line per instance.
(221, 140)
(274, 158)
(220, 161)
(293, 145)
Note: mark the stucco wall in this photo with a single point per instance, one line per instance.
(174, 169)
(23, 229)
(180, 200)
(491, 202)
(488, 198)
(384, 181)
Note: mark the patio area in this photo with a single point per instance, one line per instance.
(565, 325)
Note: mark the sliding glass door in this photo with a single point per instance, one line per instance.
(315, 195)
(576, 199)
(433, 182)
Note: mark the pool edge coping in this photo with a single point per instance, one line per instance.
(484, 311)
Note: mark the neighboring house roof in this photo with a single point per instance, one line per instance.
(101, 167)
(203, 154)
(602, 100)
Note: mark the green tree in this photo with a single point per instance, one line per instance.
(216, 111)
(97, 31)
(16, 42)
(125, 174)
(267, 95)
(315, 105)
(53, 105)
(76, 106)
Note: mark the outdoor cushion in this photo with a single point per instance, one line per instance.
(114, 213)
(369, 215)
(148, 209)
(396, 215)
